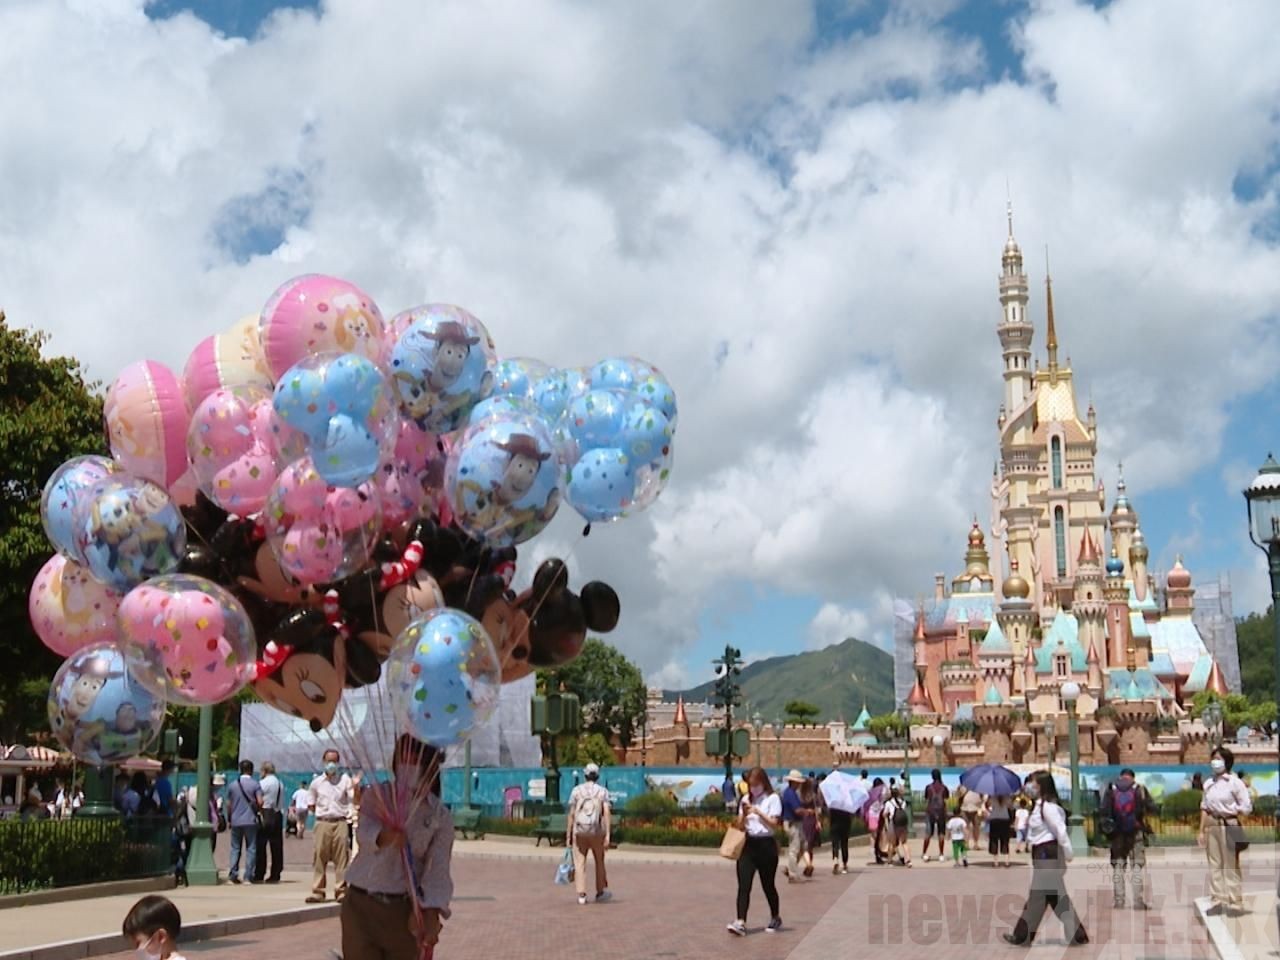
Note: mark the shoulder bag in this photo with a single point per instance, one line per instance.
(257, 811)
(734, 842)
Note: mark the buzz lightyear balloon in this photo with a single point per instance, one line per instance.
(98, 711)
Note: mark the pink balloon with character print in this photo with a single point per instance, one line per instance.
(186, 639)
(320, 533)
(146, 416)
(315, 314)
(70, 609)
(226, 360)
(413, 478)
(231, 447)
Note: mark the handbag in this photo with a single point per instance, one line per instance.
(564, 869)
(734, 842)
(1236, 836)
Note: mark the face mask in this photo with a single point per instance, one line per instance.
(1032, 790)
(331, 768)
(145, 952)
(1218, 764)
(757, 793)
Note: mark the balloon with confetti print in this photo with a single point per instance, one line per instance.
(444, 677)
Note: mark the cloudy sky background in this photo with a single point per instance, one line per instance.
(794, 210)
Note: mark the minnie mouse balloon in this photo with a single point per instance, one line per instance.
(442, 366)
(231, 448)
(128, 530)
(69, 609)
(315, 314)
(187, 640)
(65, 488)
(444, 677)
(320, 533)
(146, 416)
(98, 710)
(504, 479)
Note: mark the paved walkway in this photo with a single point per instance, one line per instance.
(673, 906)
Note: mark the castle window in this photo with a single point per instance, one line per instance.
(1060, 539)
(1055, 451)
(1062, 666)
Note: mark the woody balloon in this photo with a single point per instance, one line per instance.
(322, 492)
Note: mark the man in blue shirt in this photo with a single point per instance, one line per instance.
(244, 800)
(793, 814)
(164, 790)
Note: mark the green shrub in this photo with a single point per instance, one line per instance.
(502, 827)
(652, 805)
(1183, 803)
(653, 835)
(712, 803)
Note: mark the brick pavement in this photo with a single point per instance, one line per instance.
(510, 909)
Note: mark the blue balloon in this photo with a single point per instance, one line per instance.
(501, 406)
(646, 433)
(98, 710)
(299, 398)
(349, 454)
(554, 392)
(442, 366)
(657, 392)
(444, 677)
(596, 418)
(64, 489)
(128, 531)
(518, 377)
(620, 373)
(601, 485)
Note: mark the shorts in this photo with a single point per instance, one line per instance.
(935, 824)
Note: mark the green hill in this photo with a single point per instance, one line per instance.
(838, 680)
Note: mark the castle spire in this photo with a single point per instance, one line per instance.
(1052, 338)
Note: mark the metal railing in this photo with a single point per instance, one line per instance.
(40, 854)
(1183, 830)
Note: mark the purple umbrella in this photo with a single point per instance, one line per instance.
(991, 780)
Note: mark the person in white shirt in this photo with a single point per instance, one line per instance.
(1020, 817)
(958, 831)
(271, 834)
(396, 905)
(759, 815)
(330, 799)
(1050, 853)
(1226, 800)
(301, 805)
(589, 825)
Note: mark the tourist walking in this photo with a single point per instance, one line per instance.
(1124, 811)
(244, 803)
(1050, 853)
(330, 798)
(958, 831)
(1226, 800)
(759, 815)
(394, 910)
(298, 810)
(793, 811)
(873, 814)
(971, 804)
(1021, 814)
(936, 796)
(841, 822)
(999, 829)
(811, 823)
(590, 821)
(897, 813)
(271, 833)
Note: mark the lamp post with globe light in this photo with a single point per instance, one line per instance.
(1050, 739)
(1075, 822)
(904, 714)
(1262, 497)
(1212, 717)
(938, 741)
(778, 727)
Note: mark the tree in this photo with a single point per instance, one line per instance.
(886, 727)
(800, 711)
(578, 752)
(48, 414)
(1255, 641)
(610, 687)
(1237, 710)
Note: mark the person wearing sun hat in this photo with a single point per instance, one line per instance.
(793, 814)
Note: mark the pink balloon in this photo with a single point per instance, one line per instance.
(412, 477)
(226, 360)
(186, 639)
(317, 314)
(146, 415)
(319, 533)
(231, 448)
(69, 609)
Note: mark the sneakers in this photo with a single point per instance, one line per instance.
(604, 896)
(844, 870)
(774, 925)
(928, 858)
(582, 899)
(737, 928)
(965, 861)
(808, 872)
(835, 867)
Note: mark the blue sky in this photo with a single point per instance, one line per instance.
(795, 217)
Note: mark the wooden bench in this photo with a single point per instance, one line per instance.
(552, 828)
(466, 820)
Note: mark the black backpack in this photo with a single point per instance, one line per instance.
(901, 816)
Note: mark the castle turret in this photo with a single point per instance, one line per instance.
(1015, 329)
(1179, 591)
(1094, 665)
(1123, 521)
(1089, 605)
(1117, 596)
(1016, 616)
(1138, 554)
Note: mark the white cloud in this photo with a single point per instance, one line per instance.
(705, 183)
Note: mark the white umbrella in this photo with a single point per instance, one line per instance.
(843, 792)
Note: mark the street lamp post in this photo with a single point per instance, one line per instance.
(1263, 500)
(1075, 822)
(1050, 738)
(201, 871)
(728, 669)
(778, 727)
(1212, 718)
(757, 724)
(904, 713)
(938, 741)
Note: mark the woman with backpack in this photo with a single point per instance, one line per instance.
(898, 814)
(1050, 853)
(588, 832)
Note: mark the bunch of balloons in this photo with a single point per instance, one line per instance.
(321, 492)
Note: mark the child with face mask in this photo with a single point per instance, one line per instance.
(152, 926)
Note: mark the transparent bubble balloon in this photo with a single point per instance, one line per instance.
(231, 447)
(64, 489)
(442, 366)
(444, 677)
(186, 639)
(128, 530)
(99, 711)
